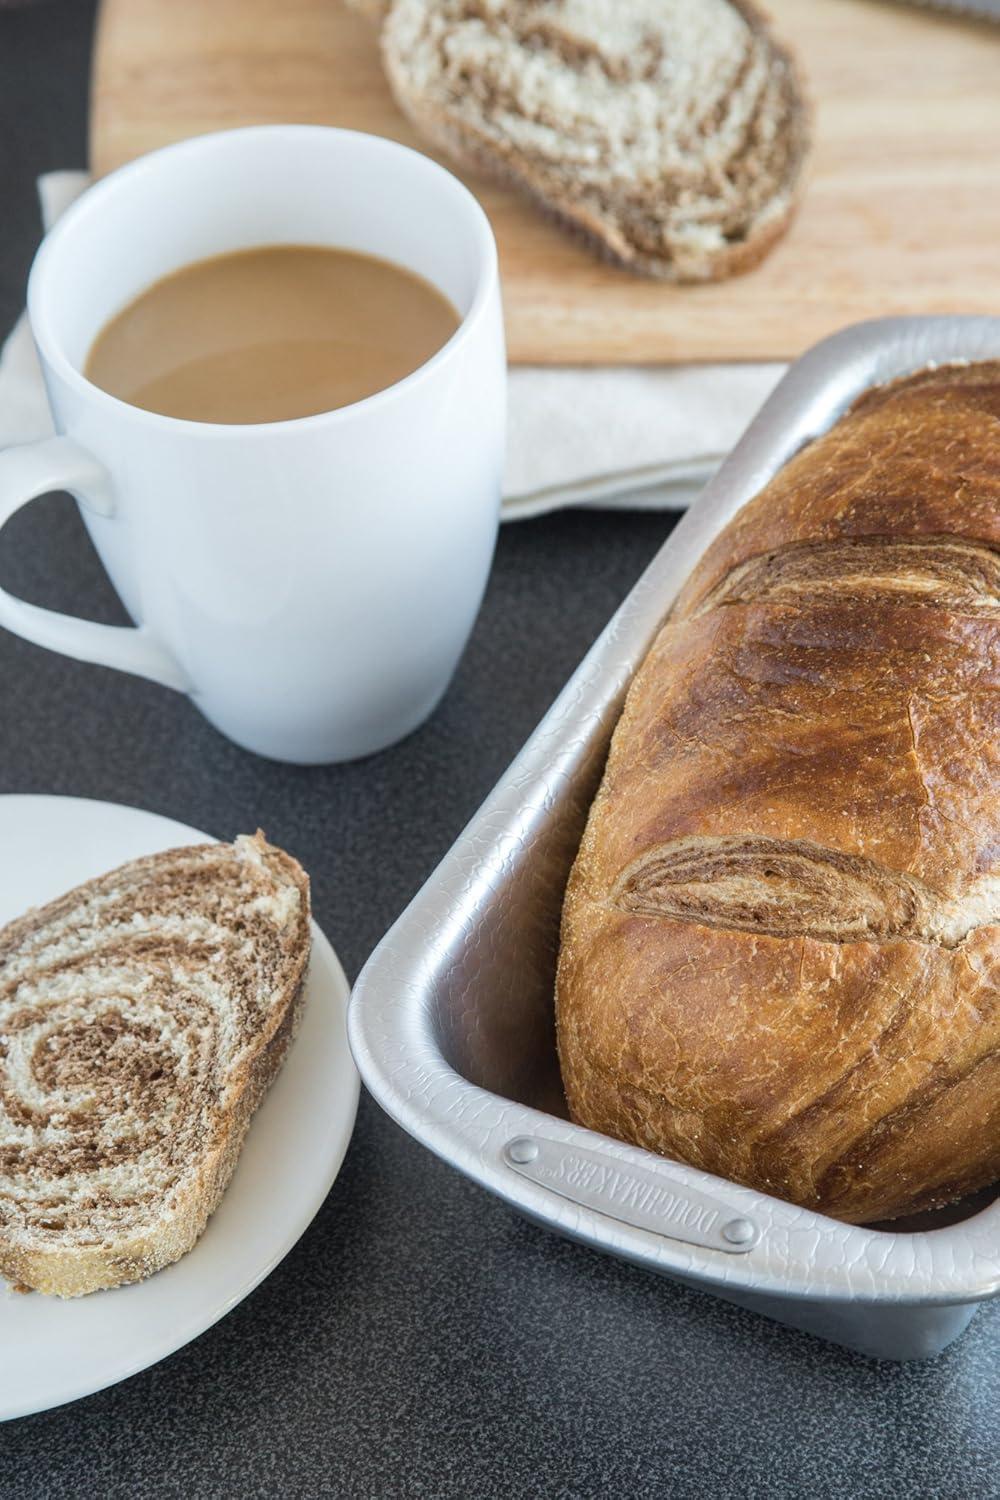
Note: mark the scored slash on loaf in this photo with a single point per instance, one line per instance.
(142, 1018)
(780, 954)
(671, 133)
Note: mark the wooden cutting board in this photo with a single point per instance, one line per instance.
(902, 213)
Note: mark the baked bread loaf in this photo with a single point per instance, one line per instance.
(671, 133)
(142, 1018)
(781, 940)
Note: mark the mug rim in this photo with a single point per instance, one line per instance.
(90, 201)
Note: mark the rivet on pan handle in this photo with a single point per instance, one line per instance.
(639, 1196)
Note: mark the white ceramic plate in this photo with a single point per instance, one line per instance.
(53, 1351)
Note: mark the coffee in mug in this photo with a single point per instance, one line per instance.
(270, 334)
(309, 583)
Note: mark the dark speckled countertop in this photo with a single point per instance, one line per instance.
(420, 1340)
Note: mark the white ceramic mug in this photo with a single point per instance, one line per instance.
(310, 583)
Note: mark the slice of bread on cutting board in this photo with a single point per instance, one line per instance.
(672, 133)
(142, 1018)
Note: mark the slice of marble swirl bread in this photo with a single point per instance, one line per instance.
(781, 940)
(142, 1018)
(671, 133)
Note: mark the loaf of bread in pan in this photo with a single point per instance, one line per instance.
(780, 954)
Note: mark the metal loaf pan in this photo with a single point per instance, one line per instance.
(451, 1021)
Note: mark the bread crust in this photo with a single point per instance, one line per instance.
(780, 945)
(602, 223)
(64, 1269)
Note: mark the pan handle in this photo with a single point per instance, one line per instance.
(645, 1197)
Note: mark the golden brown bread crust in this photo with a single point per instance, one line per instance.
(781, 953)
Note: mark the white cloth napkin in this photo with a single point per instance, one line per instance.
(638, 437)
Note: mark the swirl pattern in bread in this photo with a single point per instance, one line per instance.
(142, 1018)
(671, 134)
(781, 939)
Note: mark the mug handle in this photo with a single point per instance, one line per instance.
(58, 463)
